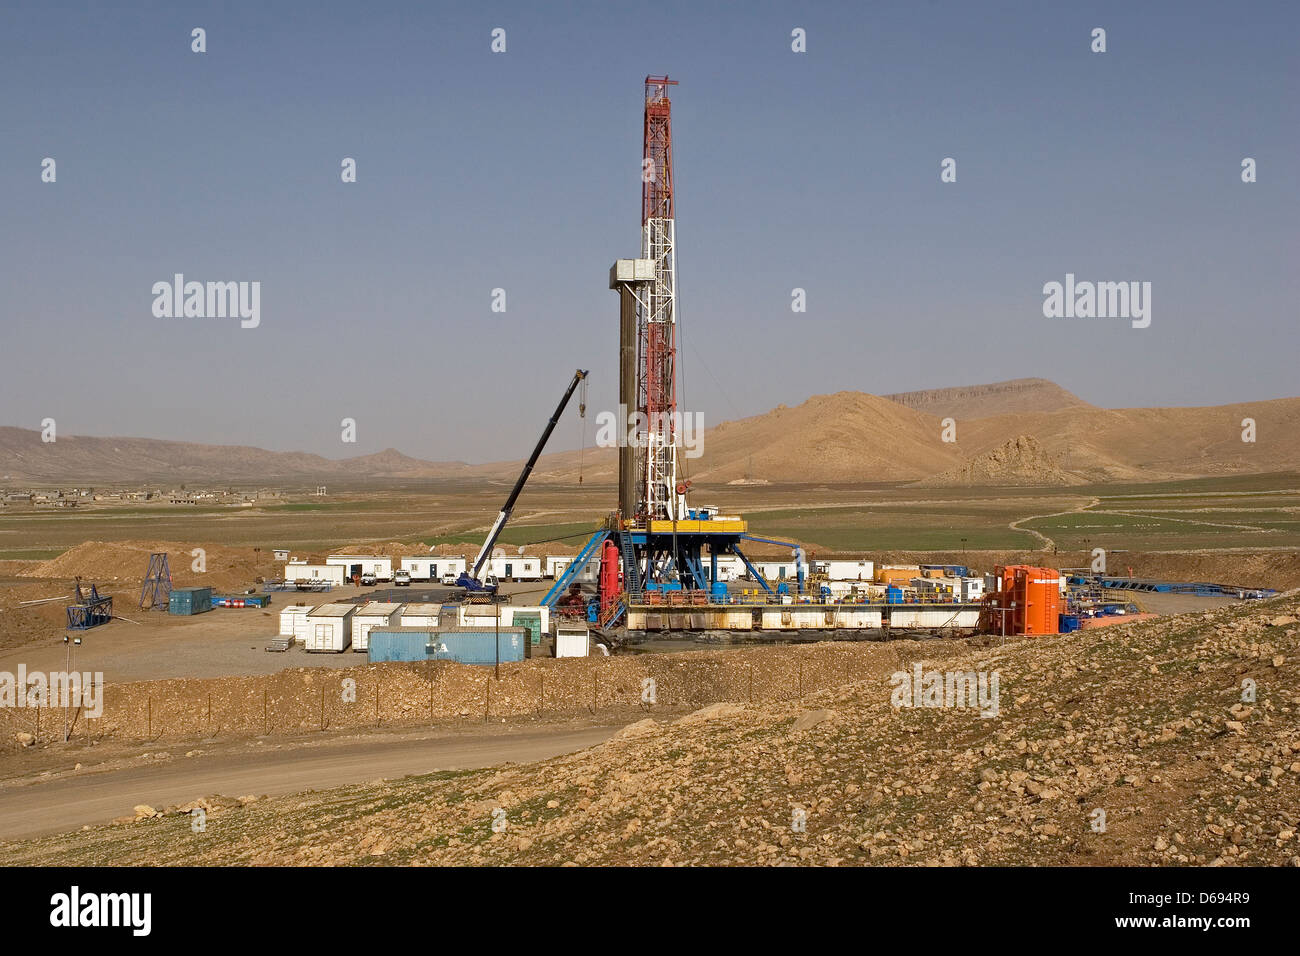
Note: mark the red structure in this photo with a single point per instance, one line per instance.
(657, 162)
(609, 586)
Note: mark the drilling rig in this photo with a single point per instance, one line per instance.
(655, 548)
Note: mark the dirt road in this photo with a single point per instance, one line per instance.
(69, 802)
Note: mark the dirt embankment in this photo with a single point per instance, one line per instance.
(411, 694)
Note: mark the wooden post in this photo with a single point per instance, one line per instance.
(487, 704)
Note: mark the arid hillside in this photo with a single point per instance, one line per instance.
(73, 458)
(1125, 745)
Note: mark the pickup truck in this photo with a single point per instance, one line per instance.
(368, 580)
(402, 578)
(449, 579)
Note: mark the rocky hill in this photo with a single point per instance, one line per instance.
(1017, 461)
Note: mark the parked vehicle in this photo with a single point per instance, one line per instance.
(449, 579)
(402, 578)
(368, 580)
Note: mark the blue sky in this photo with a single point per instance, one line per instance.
(520, 171)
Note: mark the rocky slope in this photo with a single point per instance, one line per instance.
(1127, 745)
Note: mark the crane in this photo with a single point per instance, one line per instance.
(469, 580)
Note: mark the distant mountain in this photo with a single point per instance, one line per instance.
(76, 458)
(1024, 431)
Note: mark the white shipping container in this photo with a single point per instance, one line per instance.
(380, 567)
(369, 616)
(329, 628)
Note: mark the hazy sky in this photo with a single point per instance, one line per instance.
(520, 170)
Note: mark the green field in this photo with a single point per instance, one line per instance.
(1243, 512)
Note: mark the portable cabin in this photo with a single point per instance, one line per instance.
(371, 615)
(329, 628)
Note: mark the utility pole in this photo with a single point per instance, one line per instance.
(69, 643)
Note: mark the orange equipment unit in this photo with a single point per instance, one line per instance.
(1028, 600)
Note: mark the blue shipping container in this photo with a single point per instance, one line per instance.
(465, 647)
(190, 601)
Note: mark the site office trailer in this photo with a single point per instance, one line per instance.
(302, 571)
(329, 628)
(356, 564)
(863, 571)
(433, 567)
(730, 567)
(777, 570)
(516, 568)
(556, 565)
(369, 616)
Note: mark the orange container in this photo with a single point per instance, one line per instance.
(1028, 600)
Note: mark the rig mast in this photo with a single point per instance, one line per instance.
(660, 495)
